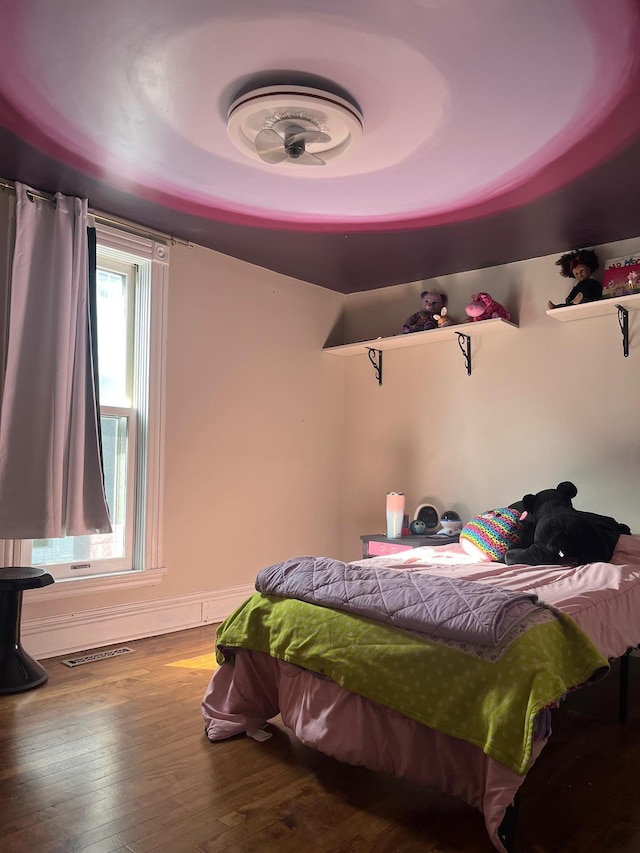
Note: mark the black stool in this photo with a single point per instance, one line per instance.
(18, 671)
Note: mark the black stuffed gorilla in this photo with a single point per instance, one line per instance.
(556, 533)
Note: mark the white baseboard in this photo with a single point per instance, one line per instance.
(91, 629)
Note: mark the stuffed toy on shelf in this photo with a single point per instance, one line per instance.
(484, 307)
(443, 319)
(430, 304)
(579, 265)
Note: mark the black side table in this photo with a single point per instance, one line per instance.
(18, 670)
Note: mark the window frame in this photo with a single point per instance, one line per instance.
(107, 261)
(151, 258)
(99, 567)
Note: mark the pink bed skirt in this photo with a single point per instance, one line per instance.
(243, 696)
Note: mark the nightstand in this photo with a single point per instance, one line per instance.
(378, 545)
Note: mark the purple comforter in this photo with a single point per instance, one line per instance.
(449, 608)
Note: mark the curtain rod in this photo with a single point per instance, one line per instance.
(131, 227)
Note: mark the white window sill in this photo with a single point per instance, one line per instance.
(69, 587)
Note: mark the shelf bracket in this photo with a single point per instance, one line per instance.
(623, 322)
(464, 342)
(375, 357)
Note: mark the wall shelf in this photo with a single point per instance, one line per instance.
(462, 331)
(595, 309)
(612, 305)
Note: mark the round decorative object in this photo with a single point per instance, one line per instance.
(23, 577)
(451, 523)
(294, 126)
(429, 515)
(418, 527)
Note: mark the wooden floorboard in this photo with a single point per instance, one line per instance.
(111, 757)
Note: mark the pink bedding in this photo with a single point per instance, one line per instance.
(603, 598)
(242, 697)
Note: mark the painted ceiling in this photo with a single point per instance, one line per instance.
(493, 130)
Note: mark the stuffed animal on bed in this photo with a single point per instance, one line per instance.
(489, 536)
(484, 307)
(579, 265)
(555, 533)
(430, 305)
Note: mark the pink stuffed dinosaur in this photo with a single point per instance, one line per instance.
(484, 307)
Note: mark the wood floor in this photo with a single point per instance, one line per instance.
(111, 757)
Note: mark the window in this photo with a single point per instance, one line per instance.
(131, 311)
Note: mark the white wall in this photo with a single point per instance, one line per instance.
(254, 452)
(553, 401)
(274, 448)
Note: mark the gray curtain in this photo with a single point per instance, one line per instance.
(51, 481)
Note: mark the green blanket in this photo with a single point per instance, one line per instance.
(489, 702)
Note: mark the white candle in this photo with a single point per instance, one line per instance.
(395, 514)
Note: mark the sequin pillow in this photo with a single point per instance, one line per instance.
(489, 536)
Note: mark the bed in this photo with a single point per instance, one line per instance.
(463, 710)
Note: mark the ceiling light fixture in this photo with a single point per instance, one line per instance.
(294, 126)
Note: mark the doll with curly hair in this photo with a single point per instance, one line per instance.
(580, 265)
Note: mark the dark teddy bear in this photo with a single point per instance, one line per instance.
(556, 533)
(431, 304)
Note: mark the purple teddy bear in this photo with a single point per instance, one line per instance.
(430, 304)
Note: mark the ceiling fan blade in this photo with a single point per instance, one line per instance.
(308, 137)
(273, 156)
(270, 146)
(309, 159)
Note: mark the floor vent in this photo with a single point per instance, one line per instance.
(111, 653)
